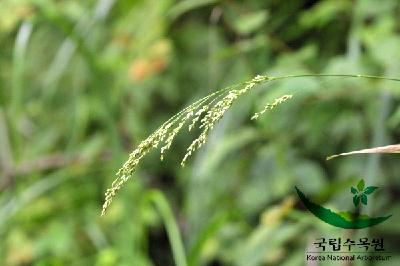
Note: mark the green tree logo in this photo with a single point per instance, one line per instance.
(346, 219)
(361, 193)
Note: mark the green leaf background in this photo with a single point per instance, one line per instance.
(83, 82)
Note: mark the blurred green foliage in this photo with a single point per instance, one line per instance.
(83, 82)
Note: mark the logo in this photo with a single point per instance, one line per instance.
(348, 219)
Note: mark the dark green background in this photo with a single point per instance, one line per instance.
(83, 82)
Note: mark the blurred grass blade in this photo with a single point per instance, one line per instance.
(158, 199)
(17, 81)
(187, 5)
(67, 49)
(208, 233)
(385, 149)
(28, 195)
(21, 42)
(6, 156)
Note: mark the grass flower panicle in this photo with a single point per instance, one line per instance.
(273, 105)
(209, 110)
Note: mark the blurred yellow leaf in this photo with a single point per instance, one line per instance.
(20, 249)
(152, 64)
(274, 214)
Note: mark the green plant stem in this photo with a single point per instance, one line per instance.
(335, 75)
(161, 204)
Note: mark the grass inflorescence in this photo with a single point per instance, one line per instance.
(205, 113)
